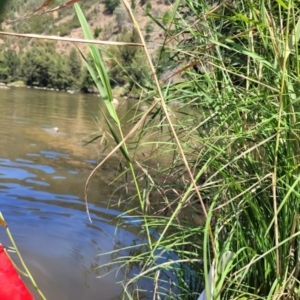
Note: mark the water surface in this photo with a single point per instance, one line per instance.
(42, 177)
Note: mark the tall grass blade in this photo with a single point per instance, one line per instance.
(103, 83)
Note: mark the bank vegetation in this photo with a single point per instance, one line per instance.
(223, 170)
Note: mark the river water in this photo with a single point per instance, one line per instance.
(42, 177)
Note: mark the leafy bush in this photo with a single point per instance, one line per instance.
(121, 17)
(149, 27)
(127, 64)
(111, 5)
(65, 28)
(41, 66)
(133, 5)
(148, 6)
(166, 17)
(97, 31)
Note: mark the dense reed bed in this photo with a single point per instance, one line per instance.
(233, 181)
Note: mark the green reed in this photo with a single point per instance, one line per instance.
(232, 183)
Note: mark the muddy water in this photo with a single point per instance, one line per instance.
(42, 176)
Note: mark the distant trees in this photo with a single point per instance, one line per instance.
(87, 83)
(74, 69)
(42, 66)
(2, 9)
(9, 66)
(3, 70)
(13, 64)
(128, 64)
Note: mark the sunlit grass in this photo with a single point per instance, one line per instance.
(240, 144)
(232, 179)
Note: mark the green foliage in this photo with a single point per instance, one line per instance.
(43, 67)
(3, 70)
(224, 170)
(87, 84)
(97, 31)
(231, 179)
(38, 25)
(127, 64)
(13, 64)
(147, 37)
(3, 6)
(9, 66)
(58, 77)
(97, 69)
(121, 17)
(148, 6)
(3, 11)
(149, 27)
(73, 69)
(166, 17)
(242, 143)
(149, 30)
(65, 28)
(111, 5)
(37, 66)
(133, 5)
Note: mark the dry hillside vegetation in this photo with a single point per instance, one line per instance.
(63, 23)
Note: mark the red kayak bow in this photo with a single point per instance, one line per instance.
(12, 286)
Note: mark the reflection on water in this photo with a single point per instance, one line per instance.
(42, 177)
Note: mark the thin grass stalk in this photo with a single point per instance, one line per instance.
(21, 260)
(254, 260)
(278, 136)
(169, 222)
(105, 90)
(165, 110)
(65, 39)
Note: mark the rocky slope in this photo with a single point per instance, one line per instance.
(64, 22)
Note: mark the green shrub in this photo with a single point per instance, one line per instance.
(127, 64)
(97, 31)
(42, 66)
(111, 5)
(121, 17)
(166, 17)
(148, 6)
(133, 5)
(149, 27)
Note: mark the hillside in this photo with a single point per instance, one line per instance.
(106, 26)
(57, 65)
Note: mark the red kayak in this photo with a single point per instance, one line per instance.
(12, 286)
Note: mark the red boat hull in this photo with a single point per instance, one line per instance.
(12, 286)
